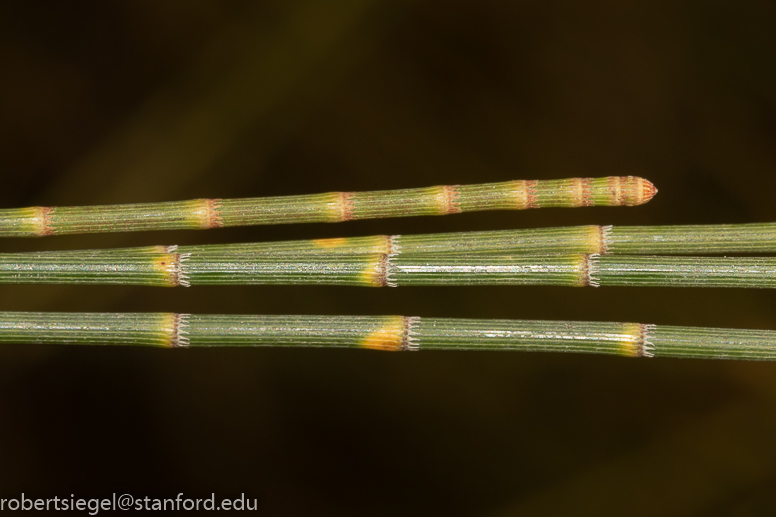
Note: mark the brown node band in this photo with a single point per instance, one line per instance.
(208, 214)
(43, 226)
(614, 189)
(587, 192)
(532, 193)
(584, 274)
(347, 206)
(381, 279)
(214, 219)
(449, 199)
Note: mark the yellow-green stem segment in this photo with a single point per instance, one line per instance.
(329, 207)
(390, 333)
(167, 267)
(602, 240)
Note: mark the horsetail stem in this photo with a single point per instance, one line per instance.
(329, 207)
(168, 267)
(592, 239)
(629, 240)
(692, 239)
(391, 333)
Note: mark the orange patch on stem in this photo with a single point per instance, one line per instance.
(632, 344)
(389, 337)
(330, 243)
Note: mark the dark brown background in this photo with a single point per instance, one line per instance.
(130, 101)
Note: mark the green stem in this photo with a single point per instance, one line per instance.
(329, 207)
(574, 239)
(625, 270)
(167, 267)
(393, 333)
(625, 240)
(692, 239)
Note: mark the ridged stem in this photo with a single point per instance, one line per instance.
(391, 333)
(624, 240)
(573, 239)
(170, 268)
(692, 239)
(329, 207)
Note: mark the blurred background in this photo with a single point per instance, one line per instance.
(140, 101)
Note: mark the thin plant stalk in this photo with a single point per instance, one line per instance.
(153, 267)
(706, 239)
(591, 239)
(329, 207)
(390, 333)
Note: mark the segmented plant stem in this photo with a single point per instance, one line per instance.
(625, 240)
(692, 239)
(391, 333)
(574, 239)
(593, 239)
(167, 267)
(329, 207)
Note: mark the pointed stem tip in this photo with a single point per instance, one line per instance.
(638, 190)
